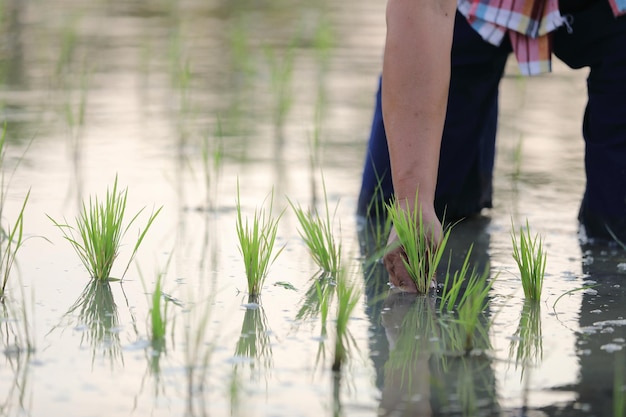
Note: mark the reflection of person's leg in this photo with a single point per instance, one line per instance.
(597, 40)
(466, 162)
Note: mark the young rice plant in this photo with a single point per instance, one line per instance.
(99, 230)
(256, 243)
(531, 260)
(317, 233)
(422, 258)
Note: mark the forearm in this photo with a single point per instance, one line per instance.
(416, 74)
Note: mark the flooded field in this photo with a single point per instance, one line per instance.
(187, 102)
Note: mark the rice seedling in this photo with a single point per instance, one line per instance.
(422, 258)
(99, 231)
(527, 342)
(11, 241)
(212, 154)
(453, 284)
(281, 73)
(471, 310)
(11, 237)
(242, 62)
(530, 257)
(318, 234)
(69, 43)
(348, 296)
(158, 309)
(256, 243)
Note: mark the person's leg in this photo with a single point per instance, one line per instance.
(467, 150)
(597, 40)
(376, 185)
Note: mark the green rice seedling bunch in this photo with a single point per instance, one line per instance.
(99, 230)
(422, 258)
(530, 257)
(317, 233)
(158, 312)
(348, 296)
(453, 285)
(212, 156)
(12, 240)
(473, 304)
(256, 243)
(281, 73)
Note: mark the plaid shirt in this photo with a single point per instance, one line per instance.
(527, 23)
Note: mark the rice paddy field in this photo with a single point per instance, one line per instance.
(206, 112)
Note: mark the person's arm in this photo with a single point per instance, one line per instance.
(416, 77)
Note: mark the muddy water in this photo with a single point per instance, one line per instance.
(139, 89)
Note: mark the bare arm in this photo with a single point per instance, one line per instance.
(416, 76)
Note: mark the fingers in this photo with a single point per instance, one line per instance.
(398, 275)
(395, 259)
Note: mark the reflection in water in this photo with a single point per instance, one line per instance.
(601, 341)
(254, 344)
(422, 375)
(420, 354)
(96, 316)
(18, 349)
(527, 344)
(12, 55)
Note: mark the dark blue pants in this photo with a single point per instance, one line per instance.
(464, 186)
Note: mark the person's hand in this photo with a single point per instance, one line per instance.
(395, 255)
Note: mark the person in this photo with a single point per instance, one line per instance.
(415, 80)
(452, 166)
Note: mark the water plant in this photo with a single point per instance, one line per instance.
(11, 241)
(464, 294)
(530, 257)
(281, 73)
(11, 237)
(422, 257)
(472, 306)
(451, 293)
(99, 231)
(348, 296)
(318, 234)
(256, 242)
(212, 155)
(158, 310)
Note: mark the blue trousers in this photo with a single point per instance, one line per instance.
(596, 40)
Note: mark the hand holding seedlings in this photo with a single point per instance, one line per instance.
(414, 247)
